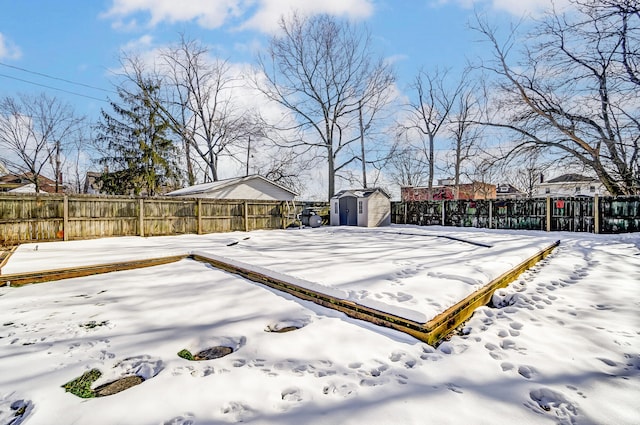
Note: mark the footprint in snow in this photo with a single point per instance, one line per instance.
(506, 366)
(555, 404)
(409, 361)
(238, 411)
(186, 419)
(14, 410)
(526, 372)
(341, 390)
(455, 388)
(292, 394)
(373, 382)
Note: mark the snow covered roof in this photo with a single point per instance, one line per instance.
(27, 188)
(361, 193)
(252, 187)
(569, 178)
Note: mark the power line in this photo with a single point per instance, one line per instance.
(53, 88)
(57, 78)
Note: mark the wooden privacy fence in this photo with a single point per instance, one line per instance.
(30, 218)
(595, 215)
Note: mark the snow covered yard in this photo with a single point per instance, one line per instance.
(560, 345)
(412, 272)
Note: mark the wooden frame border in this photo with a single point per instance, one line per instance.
(430, 332)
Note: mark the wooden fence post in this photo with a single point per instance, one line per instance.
(141, 217)
(65, 218)
(282, 214)
(199, 216)
(596, 214)
(246, 216)
(490, 213)
(548, 214)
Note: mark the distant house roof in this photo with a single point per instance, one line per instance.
(253, 187)
(361, 193)
(22, 183)
(568, 178)
(507, 188)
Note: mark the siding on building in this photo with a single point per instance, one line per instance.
(250, 187)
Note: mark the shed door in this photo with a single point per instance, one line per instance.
(348, 211)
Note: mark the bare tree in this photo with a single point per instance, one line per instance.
(323, 71)
(76, 159)
(575, 91)
(429, 112)
(33, 131)
(209, 118)
(465, 133)
(406, 165)
(196, 97)
(528, 171)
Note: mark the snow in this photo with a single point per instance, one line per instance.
(410, 272)
(560, 344)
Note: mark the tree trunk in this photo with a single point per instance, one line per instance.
(332, 173)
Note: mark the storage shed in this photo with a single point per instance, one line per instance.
(361, 207)
(246, 188)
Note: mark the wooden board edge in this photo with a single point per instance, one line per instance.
(20, 279)
(6, 259)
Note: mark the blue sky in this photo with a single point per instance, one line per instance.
(80, 41)
(73, 46)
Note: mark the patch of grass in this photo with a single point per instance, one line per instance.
(81, 386)
(185, 354)
(93, 324)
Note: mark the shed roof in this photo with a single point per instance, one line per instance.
(220, 188)
(361, 193)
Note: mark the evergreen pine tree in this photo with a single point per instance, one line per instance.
(137, 148)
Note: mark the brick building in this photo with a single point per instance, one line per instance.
(446, 190)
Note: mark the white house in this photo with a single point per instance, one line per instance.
(361, 207)
(245, 188)
(570, 185)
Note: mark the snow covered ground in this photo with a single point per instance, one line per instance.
(408, 271)
(560, 345)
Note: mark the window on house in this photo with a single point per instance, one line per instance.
(592, 189)
(359, 207)
(577, 189)
(547, 190)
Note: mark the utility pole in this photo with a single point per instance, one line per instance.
(364, 164)
(248, 155)
(58, 174)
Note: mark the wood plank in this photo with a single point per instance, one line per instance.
(20, 279)
(6, 255)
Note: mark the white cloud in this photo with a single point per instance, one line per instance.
(142, 43)
(269, 12)
(208, 14)
(8, 50)
(262, 15)
(523, 7)
(515, 7)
